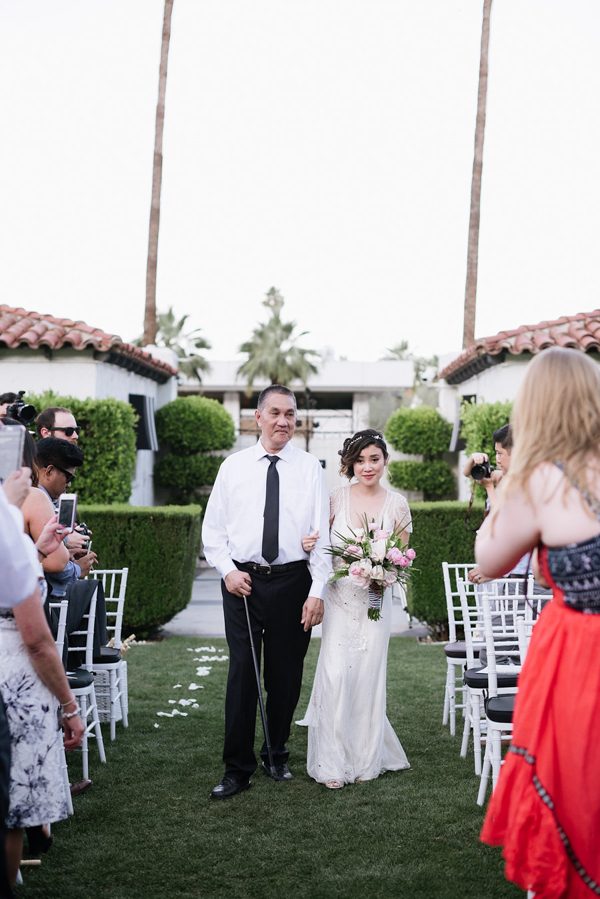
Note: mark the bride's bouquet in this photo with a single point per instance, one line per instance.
(373, 559)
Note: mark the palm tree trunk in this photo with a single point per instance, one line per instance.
(150, 309)
(473, 247)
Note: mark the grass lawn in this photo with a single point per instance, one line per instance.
(147, 829)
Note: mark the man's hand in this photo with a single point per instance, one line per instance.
(86, 563)
(312, 612)
(476, 577)
(17, 485)
(76, 542)
(239, 583)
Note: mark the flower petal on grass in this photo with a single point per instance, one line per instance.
(196, 687)
(176, 686)
(202, 672)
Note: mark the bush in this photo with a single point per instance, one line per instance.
(441, 534)
(434, 477)
(420, 431)
(107, 439)
(479, 421)
(159, 545)
(194, 424)
(184, 474)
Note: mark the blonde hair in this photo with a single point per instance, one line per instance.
(556, 418)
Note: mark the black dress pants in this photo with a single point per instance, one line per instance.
(275, 608)
(5, 890)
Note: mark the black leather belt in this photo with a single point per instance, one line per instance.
(269, 569)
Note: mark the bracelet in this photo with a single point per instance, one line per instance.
(68, 702)
(66, 715)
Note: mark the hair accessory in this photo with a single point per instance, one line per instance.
(371, 435)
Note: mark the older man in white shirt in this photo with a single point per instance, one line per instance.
(265, 499)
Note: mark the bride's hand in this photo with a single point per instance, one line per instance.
(309, 542)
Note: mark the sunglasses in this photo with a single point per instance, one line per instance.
(68, 432)
(68, 475)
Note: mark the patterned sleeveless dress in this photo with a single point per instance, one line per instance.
(545, 810)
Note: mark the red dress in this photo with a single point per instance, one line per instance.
(545, 810)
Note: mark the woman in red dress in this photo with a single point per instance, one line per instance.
(545, 810)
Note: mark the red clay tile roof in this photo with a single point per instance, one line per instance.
(581, 331)
(35, 330)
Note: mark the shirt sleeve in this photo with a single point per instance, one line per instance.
(19, 575)
(402, 514)
(214, 527)
(319, 560)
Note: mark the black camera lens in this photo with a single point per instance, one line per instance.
(478, 472)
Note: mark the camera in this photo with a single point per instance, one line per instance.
(22, 412)
(479, 472)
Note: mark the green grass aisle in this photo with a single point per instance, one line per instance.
(147, 829)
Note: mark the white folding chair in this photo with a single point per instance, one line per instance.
(110, 663)
(501, 616)
(455, 650)
(81, 681)
(60, 609)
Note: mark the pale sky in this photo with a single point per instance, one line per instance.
(321, 146)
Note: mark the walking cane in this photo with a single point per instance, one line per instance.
(261, 704)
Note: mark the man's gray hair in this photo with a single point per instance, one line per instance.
(274, 388)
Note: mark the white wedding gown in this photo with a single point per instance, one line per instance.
(349, 736)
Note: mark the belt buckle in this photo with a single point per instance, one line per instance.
(268, 569)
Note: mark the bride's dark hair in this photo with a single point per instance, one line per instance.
(353, 447)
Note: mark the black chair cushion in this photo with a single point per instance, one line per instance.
(457, 650)
(107, 656)
(500, 708)
(477, 678)
(80, 678)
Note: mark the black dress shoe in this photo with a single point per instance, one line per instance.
(282, 772)
(229, 787)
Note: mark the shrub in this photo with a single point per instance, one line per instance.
(159, 545)
(185, 474)
(442, 533)
(479, 421)
(420, 431)
(194, 424)
(107, 438)
(433, 477)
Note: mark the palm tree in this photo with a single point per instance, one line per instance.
(170, 333)
(150, 324)
(473, 247)
(272, 350)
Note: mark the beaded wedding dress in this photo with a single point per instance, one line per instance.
(349, 736)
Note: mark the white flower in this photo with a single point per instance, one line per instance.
(378, 550)
(378, 574)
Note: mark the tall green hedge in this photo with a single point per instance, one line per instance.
(441, 533)
(423, 432)
(107, 438)
(160, 547)
(479, 421)
(190, 429)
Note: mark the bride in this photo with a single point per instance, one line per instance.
(349, 736)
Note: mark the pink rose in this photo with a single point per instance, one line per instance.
(404, 562)
(353, 550)
(394, 555)
(389, 578)
(410, 554)
(360, 572)
(380, 534)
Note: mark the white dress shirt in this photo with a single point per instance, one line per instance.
(233, 520)
(18, 559)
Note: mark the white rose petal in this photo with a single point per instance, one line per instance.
(202, 672)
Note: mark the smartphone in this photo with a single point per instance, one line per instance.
(12, 439)
(67, 510)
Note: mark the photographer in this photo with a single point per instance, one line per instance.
(478, 467)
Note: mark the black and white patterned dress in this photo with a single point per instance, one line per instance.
(37, 783)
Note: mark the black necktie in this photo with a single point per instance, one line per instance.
(270, 541)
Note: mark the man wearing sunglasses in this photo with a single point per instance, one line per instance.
(56, 421)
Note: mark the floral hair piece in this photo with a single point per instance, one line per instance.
(374, 436)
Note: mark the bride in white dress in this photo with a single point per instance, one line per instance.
(349, 736)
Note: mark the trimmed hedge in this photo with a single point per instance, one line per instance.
(434, 477)
(107, 438)
(419, 432)
(194, 424)
(479, 421)
(184, 474)
(160, 547)
(440, 534)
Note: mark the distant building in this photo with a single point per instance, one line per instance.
(342, 398)
(39, 352)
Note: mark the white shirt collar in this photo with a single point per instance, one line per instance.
(283, 453)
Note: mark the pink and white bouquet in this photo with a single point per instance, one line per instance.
(373, 559)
